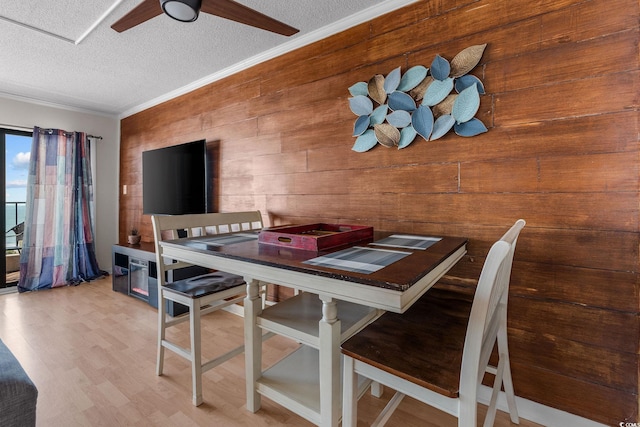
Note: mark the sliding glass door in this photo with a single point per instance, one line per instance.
(14, 158)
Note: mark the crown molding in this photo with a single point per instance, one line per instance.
(296, 43)
(28, 100)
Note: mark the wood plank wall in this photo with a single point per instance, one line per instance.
(561, 152)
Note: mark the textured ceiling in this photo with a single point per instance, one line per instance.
(64, 52)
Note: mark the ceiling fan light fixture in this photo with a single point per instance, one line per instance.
(181, 10)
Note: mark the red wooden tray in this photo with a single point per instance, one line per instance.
(315, 237)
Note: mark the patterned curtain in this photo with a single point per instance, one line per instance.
(58, 246)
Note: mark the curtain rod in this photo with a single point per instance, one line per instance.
(26, 129)
(50, 131)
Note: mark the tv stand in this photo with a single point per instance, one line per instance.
(135, 274)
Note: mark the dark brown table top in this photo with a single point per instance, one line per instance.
(399, 275)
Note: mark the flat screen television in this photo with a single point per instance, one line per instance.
(174, 179)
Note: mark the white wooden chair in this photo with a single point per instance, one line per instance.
(202, 294)
(438, 351)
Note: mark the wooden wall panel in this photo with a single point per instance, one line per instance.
(574, 62)
(609, 133)
(250, 147)
(582, 324)
(576, 359)
(612, 290)
(599, 95)
(573, 395)
(578, 210)
(562, 151)
(562, 174)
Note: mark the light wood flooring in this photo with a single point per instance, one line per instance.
(91, 353)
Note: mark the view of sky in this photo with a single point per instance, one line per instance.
(17, 167)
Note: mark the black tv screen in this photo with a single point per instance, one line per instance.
(174, 179)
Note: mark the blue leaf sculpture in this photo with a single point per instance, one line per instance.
(440, 68)
(441, 126)
(407, 135)
(359, 88)
(378, 114)
(365, 142)
(392, 80)
(401, 101)
(361, 105)
(399, 119)
(471, 128)
(467, 80)
(437, 91)
(466, 104)
(422, 121)
(409, 104)
(412, 78)
(361, 125)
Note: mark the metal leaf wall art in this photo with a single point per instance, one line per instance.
(424, 101)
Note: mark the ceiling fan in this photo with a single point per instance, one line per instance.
(188, 10)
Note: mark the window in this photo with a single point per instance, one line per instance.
(15, 160)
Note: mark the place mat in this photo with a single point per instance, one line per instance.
(407, 241)
(359, 259)
(227, 239)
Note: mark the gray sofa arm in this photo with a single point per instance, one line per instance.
(18, 394)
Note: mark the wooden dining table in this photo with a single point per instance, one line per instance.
(338, 292)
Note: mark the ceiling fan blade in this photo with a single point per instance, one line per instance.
(229, 9)
(143, 12)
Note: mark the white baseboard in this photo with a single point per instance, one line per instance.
(538, 413)
(9, 290)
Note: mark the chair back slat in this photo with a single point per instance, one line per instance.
(500, 291)
(488, 313)
(211, 223)
(167, 227)
(511, 237)
(477, 345)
